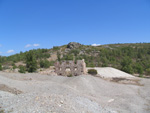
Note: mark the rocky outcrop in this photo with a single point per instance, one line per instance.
(73, 45)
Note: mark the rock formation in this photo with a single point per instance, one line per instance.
(73, 45)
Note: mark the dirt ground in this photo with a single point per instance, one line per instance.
(35, 93)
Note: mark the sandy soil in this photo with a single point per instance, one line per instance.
(35, 93)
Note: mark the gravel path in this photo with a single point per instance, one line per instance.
(81, 94)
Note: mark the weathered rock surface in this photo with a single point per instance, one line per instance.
(73, 45)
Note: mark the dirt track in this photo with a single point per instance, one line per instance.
(81, 94)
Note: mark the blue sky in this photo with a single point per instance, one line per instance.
(31, 24)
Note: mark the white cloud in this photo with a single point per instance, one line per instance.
(36, 45)
(10, 51)
(96, 44)
(28, 45)
(0, 52)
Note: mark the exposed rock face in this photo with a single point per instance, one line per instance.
(73, 45)
(75, 69)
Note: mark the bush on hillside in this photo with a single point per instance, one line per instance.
(92, 71)
(22, 69)
(148, 71)
(1, 67)
(14, 66)
(139, 69)
(127, 65)
(31, 63)
(44, 64)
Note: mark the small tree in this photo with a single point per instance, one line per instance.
(31, 63)
(92, 71)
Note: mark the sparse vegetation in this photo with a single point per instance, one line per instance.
(141, 76)
(70, 75)
(131, 58)
(55, 48)
(14, 66)
(68, 57)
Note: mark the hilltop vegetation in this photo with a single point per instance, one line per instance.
(131, 58)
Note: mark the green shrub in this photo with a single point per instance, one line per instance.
(31, 63)
(69, 75)
(51, 63)
(14, 66)
(92, 71)
(55, 48)
(127, 69)
(104, 65)
(1, 67)
(44, 64)
(141, 76)
(75, 52)
(91, 65)
(22, 69)
(139, 69)
(148, 71)
(68, 57)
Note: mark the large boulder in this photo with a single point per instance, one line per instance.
(73, 45)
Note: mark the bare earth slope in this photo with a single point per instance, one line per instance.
(82, 94)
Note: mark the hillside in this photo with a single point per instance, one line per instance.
(131, 58)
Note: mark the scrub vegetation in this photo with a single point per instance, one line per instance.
(131, 58)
